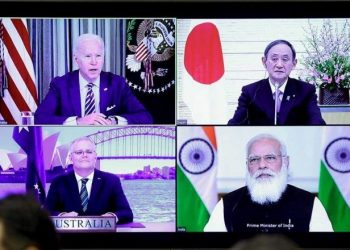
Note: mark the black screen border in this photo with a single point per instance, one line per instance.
(176, 9)
(186, 10)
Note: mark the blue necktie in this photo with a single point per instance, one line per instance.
(84, 194)
(90, 100)
(279, 95)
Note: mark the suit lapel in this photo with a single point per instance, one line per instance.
(104, 90)
(95, 189)
(265, 99)
(73, 186)
(287, 101)
(74, 93)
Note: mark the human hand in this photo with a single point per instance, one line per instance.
(109, 214)
(69, 214)
(94, 119)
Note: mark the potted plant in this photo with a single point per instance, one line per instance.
(327, 61)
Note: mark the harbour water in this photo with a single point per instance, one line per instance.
(150, 200)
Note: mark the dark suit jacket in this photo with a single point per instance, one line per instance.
(256, 105)
(116, 98)
(106, 196)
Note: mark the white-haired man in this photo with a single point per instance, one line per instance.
(90, 96)
(268, 203)
(87, 191)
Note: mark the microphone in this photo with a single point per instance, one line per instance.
(276, 100)
(246, 118)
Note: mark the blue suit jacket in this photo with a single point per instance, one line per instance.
(116, 98)
(106, 196)
(298, 107)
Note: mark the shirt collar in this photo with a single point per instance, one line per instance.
(90, 176)
(83, 83)
(282, 87)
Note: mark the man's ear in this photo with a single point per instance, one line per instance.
(286, 161)
(295, 63)
(263, 60)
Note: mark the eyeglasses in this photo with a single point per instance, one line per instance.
(87, 152)
(255, 160)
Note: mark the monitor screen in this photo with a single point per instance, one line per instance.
(159, 48)
(141, 159)
(211, 74)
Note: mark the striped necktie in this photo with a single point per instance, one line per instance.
(84, 194)
(279, 99)
(90, 100)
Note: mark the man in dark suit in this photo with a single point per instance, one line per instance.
(298, 100)
(89, 96)
(87, 191)
(268, 203)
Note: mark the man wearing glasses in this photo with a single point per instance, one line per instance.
(268, 203)
(85, 190)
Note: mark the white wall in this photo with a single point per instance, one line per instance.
(243, 44)
(303, 147)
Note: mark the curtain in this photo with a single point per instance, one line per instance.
(52, 45)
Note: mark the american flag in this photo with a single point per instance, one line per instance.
(19, 90)
(142, 51)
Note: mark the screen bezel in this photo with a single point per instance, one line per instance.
(207, 9)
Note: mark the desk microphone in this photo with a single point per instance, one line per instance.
(246, 119)
(276, 100)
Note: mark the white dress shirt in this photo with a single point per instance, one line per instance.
(90, 177)
(281, 88)
(319, 219)
(72, 120)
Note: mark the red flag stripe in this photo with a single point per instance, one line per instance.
(23, 71)
(13, 74)
(141, 48)
(141, 57)
(16, 95)
(21, 94)
(6, 113)
(22, 46)
(142, 52)
(12, 107)
(23, 33)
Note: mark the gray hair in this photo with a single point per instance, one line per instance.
(84, 138)
(261, 137)
(87, 37)
(276, 42)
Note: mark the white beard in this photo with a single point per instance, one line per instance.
(269, 189)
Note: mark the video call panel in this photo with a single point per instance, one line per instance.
(217, 57)
(142, 157)
(41, 55)
(208, 97)
(214, 161)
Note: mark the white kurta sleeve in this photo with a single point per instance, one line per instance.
(319, 219)
(216, 221)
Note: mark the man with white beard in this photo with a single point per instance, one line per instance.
(268, 203)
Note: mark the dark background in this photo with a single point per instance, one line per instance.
(182, 9)
(176, 9)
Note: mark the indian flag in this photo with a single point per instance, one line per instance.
(196, 177)
(334, 187)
